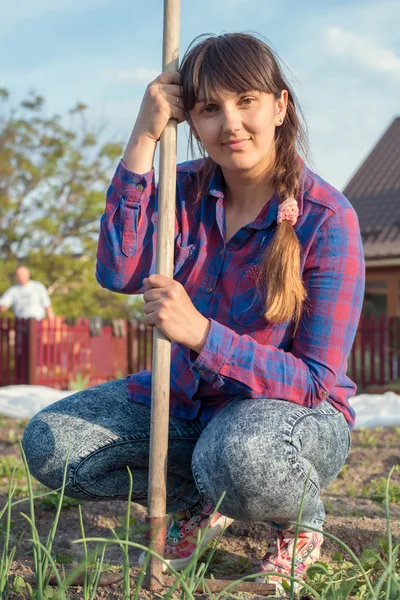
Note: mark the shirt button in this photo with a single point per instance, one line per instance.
(221, 251)
(139, 187)
(324, 394)
(209, 290)
(249, 228)
(201, 372)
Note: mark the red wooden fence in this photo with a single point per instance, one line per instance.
(375, 355)
(56, 354)
(14, 351)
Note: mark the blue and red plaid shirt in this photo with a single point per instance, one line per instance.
(244, 355)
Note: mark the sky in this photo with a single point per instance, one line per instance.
(342, 58)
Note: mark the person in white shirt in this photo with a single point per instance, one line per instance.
(28, 299)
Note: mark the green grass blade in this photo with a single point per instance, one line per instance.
(53, 529)
(37, 554)
(53, 566)
(97, 575)
(141, 576)
(389, 532)
(196, 574)
(5, 557)
(296, 536)
(232, 584)
(171, 569)
(85, 552)
(127, 580)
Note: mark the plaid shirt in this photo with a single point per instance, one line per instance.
(244, 355)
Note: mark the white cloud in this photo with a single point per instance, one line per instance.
(137, 75)
(363, 51)
(341, 54)
(342, 57)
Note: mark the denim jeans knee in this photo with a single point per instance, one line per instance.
(263, 453)
(101, 432)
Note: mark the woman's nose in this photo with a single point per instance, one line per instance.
(230, 121)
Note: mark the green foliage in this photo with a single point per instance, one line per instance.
(346, 578)
(367, 438)
(374, 575)
(12, 438)
(7, 464)
(54, 173)
(376, 491)
(20, 587)
(52, 500)
(81, 382)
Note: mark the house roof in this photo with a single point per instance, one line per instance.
(374, 191)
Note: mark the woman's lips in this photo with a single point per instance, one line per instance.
(236, 144)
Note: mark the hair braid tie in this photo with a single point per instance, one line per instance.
(288, 211)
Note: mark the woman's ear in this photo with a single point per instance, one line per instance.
(281, 107)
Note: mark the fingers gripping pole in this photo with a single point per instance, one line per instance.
(160, 387)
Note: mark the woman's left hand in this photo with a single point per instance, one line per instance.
(168, 306)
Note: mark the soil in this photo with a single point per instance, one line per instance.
(355, 514)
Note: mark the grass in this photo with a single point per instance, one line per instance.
(378, 491)
(81, 382)
(11, 466)
(372, 576)
(367, 438)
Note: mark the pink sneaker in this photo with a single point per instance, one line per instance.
(182, 535)
(278, 558)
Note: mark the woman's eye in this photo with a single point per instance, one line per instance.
(209, 109)
(248, 100)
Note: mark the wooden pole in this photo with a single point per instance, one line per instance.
(160, 387)
(213, 585)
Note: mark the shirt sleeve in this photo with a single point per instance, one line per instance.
(334, 276)
(7, 298)
(126, 247)
(46, 302)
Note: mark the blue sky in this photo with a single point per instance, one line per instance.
(343, 56)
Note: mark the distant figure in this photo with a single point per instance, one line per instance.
(28, 299)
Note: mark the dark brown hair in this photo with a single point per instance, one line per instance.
(241, 62)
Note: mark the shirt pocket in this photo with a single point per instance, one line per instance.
(248, 302)
(184, 258)
(248, 309)
(129, 218)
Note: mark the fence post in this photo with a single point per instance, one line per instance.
(398, 349)
(128, 346)
(133, 345)
(32, 345)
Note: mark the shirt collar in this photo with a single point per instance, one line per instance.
(217, 183)
(269, 212)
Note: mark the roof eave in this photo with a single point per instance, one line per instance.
(382, 262)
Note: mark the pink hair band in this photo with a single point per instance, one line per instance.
(288, 211)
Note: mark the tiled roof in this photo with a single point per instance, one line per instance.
(384, 244)
(374, 191)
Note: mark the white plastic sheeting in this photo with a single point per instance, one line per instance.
(24, 401)
(376, 410)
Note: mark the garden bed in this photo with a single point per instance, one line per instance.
(354, 505)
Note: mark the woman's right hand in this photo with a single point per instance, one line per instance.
(162, 101)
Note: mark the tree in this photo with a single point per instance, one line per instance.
(53, 179)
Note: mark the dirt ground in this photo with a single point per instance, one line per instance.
(355, 513)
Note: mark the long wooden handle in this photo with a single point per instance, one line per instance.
(160, 386)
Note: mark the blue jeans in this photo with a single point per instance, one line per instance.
(262, 453)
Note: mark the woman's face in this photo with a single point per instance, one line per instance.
(238, 130)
